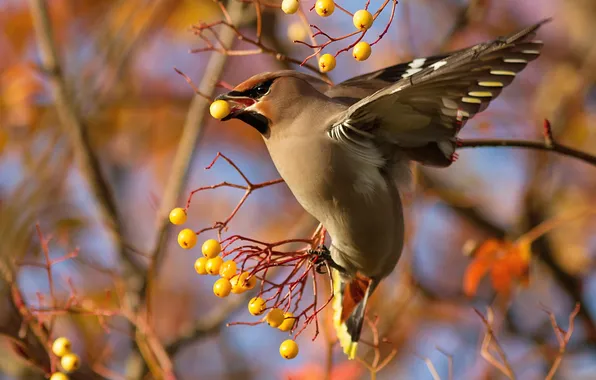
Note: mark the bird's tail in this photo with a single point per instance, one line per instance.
(349, 306)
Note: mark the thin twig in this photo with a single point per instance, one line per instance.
(431, 368)
(503, 366)
(563, 338)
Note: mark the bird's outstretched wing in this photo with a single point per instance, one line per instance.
(423, 110)
(397, 72)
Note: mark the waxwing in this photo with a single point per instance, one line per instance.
(344, 150)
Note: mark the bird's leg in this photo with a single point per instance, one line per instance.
(322, 256)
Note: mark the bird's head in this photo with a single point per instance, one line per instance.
(268, 99)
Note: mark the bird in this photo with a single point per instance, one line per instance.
(345, 151)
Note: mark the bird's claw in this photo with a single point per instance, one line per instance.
(322, 258)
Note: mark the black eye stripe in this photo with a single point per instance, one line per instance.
(257, 92)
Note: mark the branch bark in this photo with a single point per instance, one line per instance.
(76, 131)
(537, 145)
(191, 134)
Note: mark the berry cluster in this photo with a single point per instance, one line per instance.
(242, 263)
(69, 361)
(362, 19)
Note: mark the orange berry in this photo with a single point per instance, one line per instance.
(211, 248)
(222, 288)
(326, 63)
(178, 216)
(200, 265)
(288, 349)
(58, 376)
(228, 269)
(213, 265)
(324, 8)
(362, 19)
(361, 51)
(187, 238)
(256, 306)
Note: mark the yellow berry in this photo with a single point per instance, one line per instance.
(275, 317)
(58, 376)
(256, 306)
(237, 287)
(296, 31)
(326, 63)
(222, 288)
(361, 51)
(61, 346)
(187, 238)
(178, 216)
(211, 248)
(288, 322)
(288, 349)
(70, 362)
(200, 265)
(324, 8)
(228, 269)
(290, 6)
(250, 282)
(213, 265)
(246, 282)
(219, 109)
(363, 19)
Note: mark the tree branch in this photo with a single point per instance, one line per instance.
(76, 131)
(569, 283)
(537, 145)
(207, 326)
(191, 135)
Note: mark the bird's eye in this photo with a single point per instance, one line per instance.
(262, 88)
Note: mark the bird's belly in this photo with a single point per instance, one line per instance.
(355, 203)
(366, 238)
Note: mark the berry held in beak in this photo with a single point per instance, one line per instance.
(219, 109)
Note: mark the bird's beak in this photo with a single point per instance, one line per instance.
(239, 109)
(238, 103)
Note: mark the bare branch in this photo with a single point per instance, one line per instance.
(563, 338)
(503, 365)
(76, 131)
(548, 145)
(191, 135)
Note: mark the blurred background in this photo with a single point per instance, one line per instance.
(117, 62)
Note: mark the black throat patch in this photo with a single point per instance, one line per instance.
(255, 120)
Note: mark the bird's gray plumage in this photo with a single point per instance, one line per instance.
(344, 150)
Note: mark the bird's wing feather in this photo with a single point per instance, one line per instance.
(431, 105)
(394, 73)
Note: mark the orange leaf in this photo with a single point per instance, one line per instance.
(501, 277)
(483, 258)
(473, 275)
(488, 248)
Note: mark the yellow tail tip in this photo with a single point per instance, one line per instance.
(350, 350)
